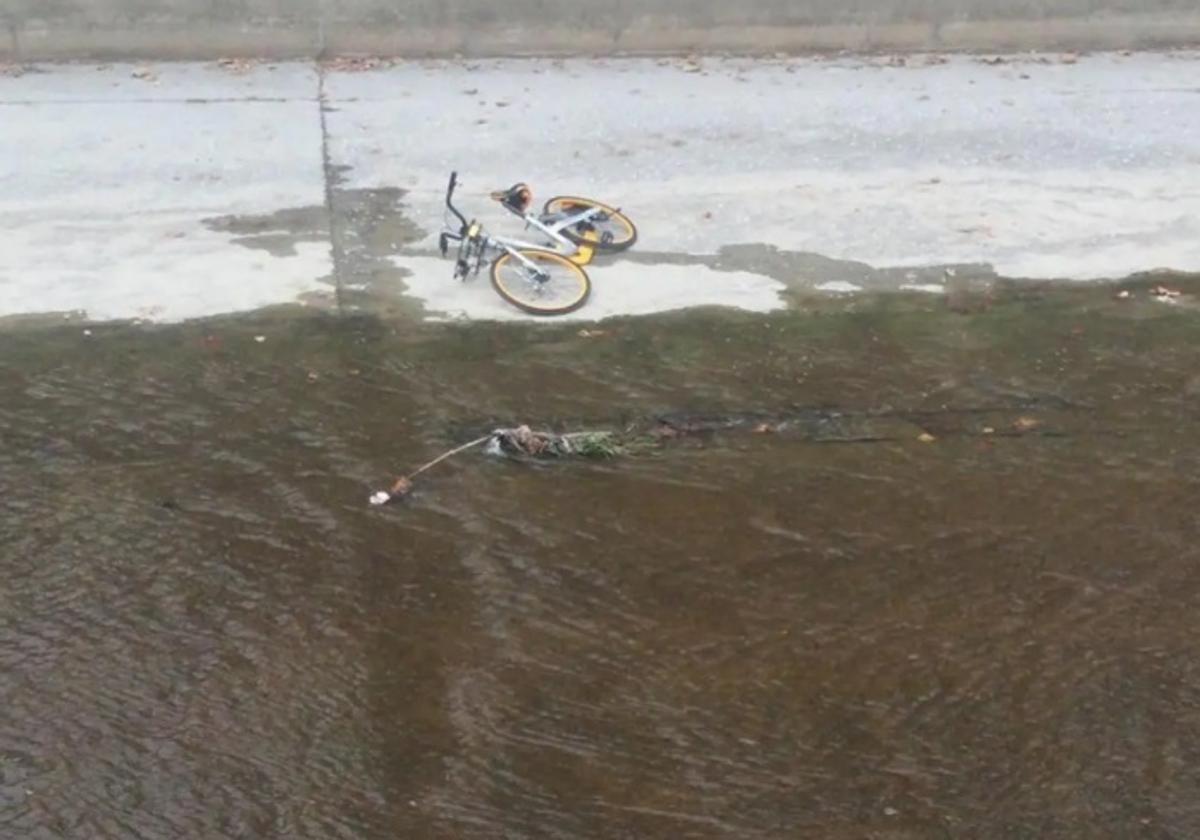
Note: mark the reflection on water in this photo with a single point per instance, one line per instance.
(836, 629)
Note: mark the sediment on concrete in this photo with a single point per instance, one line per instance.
(32, 30)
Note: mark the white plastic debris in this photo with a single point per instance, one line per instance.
(840, 287)
(380, 497)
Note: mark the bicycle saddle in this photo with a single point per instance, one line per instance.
(516, 198)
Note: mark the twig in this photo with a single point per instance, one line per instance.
(403, 485)
(446, 455)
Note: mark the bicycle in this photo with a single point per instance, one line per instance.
(543, 279)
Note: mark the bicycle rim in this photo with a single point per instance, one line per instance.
(614, 229)
(553, 287)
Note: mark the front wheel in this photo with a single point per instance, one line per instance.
(540, 282)
(614, 231)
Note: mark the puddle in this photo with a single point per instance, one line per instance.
(618, 288)
(276, 233)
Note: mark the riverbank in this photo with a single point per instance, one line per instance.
(160, 193)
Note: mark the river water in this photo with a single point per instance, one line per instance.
(911, 570)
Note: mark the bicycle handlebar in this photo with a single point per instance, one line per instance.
(450, 203)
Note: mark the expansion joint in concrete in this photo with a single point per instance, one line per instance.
(337, 251)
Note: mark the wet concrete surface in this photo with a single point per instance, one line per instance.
(166, 192)
(277, 233)
(1039, 166)
(952, 591)
(363, 229)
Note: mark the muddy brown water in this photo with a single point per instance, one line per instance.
(832, 629)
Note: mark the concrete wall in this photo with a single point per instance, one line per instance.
(49, 29)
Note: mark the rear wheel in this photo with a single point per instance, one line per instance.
(614, 230)
(549, 284)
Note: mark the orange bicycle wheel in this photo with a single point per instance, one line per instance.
(542, 283)
(616, 232)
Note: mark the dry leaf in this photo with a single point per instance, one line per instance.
(237, 65)
(402, 487)
(348, 64)
(925, 437)
(1026, 424)
(763, 429)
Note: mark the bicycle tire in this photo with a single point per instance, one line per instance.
(513, 285)
(627, 230)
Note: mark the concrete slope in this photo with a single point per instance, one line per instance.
(189, 190)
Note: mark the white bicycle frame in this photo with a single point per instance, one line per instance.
(510, 245)
(554, 230)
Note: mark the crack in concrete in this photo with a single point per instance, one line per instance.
(232, 100)
(330, 174)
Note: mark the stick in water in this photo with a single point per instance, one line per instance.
(403, 485)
